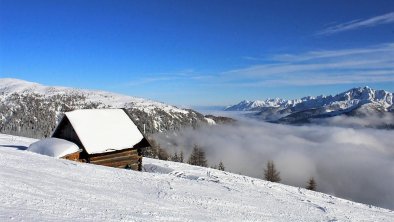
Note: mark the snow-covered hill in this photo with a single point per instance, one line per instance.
(301, 110)
(39, 188)
(23, 103)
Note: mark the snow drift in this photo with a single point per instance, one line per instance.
(53, 147)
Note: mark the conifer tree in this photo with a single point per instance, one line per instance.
(270, 172)
(311, 184)
(175, 157)
(197, 157)
(221, 166)
(201, 158)
(181, 156)
(193, 156)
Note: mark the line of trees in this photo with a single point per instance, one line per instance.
(198, 158)
(271, 174)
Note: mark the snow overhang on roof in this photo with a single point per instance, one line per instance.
(104, 130)
(53, 147)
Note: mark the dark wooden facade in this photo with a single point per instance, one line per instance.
(129, 158)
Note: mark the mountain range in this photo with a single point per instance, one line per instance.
(360, 102)
(33, 110)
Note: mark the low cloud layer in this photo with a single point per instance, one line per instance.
(384, 120)
(356, 164)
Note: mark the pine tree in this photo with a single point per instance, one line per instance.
(221, 166)
(181, 156)
(175, 157)
(201, 158)
(193, 156)
(270, 173)
(197, 157)
(311, 184)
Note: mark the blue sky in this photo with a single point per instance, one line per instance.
(198, 52)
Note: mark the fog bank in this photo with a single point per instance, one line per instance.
(356, 164)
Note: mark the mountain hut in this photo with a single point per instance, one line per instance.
(105, 137)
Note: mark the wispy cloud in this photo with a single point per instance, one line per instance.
(359, 23)
(359, 65)
(324, 54)
(168, 77)
(372, 64)
(253, 58)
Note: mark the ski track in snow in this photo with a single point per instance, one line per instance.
(34, 187)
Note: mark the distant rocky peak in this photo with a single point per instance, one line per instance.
(360, 95)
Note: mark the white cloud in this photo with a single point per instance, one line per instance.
(168, 77)
(372, 64)
(359, 65)
(324, 54)
(371, 120)
(357, 24)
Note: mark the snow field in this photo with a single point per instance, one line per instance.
(34, 187)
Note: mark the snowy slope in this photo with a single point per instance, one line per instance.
(39, 188)
(23, 103)
(9, 86)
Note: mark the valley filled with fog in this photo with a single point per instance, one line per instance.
(346, 159)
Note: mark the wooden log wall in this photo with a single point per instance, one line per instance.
(128, 158)
(73, 156)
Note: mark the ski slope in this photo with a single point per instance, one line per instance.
(34, 187)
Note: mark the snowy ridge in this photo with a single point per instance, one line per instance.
(23, 103)
(9, 86)
(247, 105)
(314, 107)
(344, 100)
(41, 188)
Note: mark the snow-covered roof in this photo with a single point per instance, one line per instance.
(104, 130)
(53, 147)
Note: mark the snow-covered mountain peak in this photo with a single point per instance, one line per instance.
(300, 110)
(23, 101)
(307, 98)
(355, 95)
(247, 105)
(367, 95)
(9, 86)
